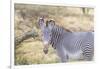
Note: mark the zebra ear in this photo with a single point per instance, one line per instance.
(52, 22)
(41, 21)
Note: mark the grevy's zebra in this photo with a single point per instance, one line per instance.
(67, 44)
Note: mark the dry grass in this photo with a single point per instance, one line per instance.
(31, 52)
(26, 16)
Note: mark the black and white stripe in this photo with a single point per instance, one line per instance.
(70, 44)
(73, 41)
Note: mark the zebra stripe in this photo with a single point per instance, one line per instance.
(88, 49)
(56, 36)
(83, 41)
(66, 43)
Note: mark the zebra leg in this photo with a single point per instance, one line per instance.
(61, 53)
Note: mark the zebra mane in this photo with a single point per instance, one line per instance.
(67, 30)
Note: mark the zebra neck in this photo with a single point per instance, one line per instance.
(57, 35)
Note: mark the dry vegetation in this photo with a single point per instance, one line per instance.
(26, 16)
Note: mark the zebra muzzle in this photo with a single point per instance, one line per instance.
(45, 51)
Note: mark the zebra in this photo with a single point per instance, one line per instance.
(68, 44)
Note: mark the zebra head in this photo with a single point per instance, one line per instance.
(46, 29)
